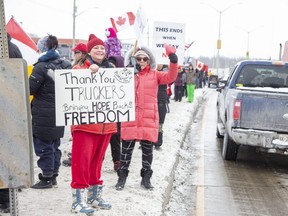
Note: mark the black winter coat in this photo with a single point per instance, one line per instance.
(42, 87)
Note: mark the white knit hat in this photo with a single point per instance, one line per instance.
(141, 52)
(42, 44)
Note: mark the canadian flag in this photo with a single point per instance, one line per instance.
(121, 22)
(24, 42)
(199, 65)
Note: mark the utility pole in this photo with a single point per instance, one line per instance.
(74, 18)
(219, 42)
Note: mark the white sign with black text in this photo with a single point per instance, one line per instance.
(83, 97)
(172, 34)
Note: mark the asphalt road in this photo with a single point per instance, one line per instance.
(205, 184)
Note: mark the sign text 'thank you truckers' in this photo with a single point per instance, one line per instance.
(83, 97)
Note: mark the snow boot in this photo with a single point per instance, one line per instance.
(145, 182)
(79, 202)
(95, 198)
(122, 174)
(44, 183)
(54, 179)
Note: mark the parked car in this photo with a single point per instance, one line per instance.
(223, 80)
(213, 80)
(252, 108)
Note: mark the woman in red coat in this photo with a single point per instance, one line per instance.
(89, 144)
(145, 127)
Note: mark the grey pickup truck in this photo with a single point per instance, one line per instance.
(252, 108)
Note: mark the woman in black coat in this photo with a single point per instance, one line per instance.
(46, 135)
(162, 98)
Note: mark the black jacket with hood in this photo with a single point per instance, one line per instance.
(42, 87)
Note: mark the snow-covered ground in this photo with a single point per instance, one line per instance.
(133, 199)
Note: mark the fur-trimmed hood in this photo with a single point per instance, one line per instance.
(153, 64)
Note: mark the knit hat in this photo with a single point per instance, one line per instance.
(110, 33)
(42, 44)
(80, 47)
(93, 41)
(142, 52)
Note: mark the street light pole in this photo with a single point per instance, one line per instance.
(75, 14)
(218, 44)
(248, 39)
(219, 31)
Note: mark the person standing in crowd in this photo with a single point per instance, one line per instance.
(198, 78)
(162, 99)
(178, 85)
(190, 80)
(115, 143)
(13, 49)
(89, 143)
(169, 92)
(184, 90)
(145, 127)
(80, 52)
(205, 77)
(14, 52)
(46, 135)
(112, 43)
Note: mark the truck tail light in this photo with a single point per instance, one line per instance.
(237, 110)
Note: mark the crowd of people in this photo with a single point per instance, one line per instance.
(188, 79)
(152, 89)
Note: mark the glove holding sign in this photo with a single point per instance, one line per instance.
(170, 52)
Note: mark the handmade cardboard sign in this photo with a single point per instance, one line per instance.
(83, 97)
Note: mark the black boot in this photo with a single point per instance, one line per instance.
(45, 182)
(54, 179)
(122, 174)
(146, 175)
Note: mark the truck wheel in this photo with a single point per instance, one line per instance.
(230, 148)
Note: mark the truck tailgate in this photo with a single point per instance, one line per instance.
(265, 111)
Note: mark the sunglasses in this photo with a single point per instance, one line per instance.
(144, 59)
(76, 52)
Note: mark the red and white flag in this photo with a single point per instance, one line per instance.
(121, 22)
(199, 65)
(26, 45)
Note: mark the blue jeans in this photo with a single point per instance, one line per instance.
(49, 156)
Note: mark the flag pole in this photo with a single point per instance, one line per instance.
(135, 47)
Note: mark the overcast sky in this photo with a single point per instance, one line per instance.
(263, 21)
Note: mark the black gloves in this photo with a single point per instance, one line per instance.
(173, 58)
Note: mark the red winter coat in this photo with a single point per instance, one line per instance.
(101, 128)
(145, 126)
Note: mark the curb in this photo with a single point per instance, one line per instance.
(169, 188)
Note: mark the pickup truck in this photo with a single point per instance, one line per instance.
(252, 108)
